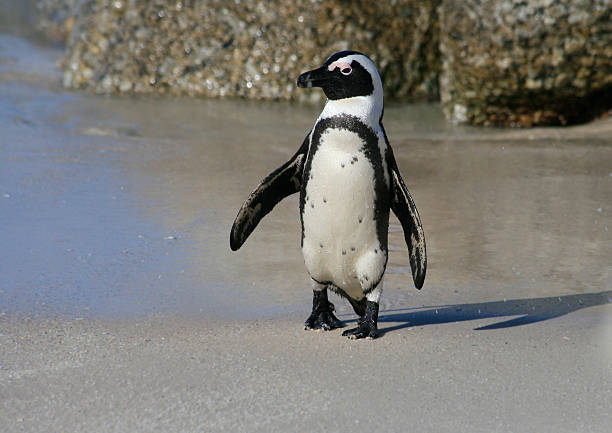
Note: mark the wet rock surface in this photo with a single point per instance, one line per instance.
(534, 62)
(252, 49)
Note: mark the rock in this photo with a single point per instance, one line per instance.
(525, 63)
(55, 18)
(491, 62)
(247, 48)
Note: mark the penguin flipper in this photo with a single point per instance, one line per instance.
(282, 182)
(404, 208)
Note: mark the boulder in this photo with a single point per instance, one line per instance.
(490, 62)
(247, 48)
(55, 18)
(525, 63)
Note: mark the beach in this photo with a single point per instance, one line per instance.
(122, 307)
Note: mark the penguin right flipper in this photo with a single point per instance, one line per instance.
(404, 208)
(282, 182)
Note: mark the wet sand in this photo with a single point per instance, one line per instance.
(122, 308)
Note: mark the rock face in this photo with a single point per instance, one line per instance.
(524, 63)
(55, 18)
(247, 48)
(491, 62)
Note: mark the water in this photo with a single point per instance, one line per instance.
(122, 206)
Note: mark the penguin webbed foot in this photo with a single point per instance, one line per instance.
(322, 316)
(325, 320)
(363, 330)
(367, 325)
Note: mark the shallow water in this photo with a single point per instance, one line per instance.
(122, 206)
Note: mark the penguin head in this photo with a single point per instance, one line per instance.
(346, 74)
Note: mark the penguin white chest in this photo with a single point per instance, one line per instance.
(340, 243)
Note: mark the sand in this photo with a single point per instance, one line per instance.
(122, 308)
(180, 374)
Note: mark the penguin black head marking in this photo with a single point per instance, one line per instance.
(344, 75)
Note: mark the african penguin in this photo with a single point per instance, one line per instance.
(348, 181)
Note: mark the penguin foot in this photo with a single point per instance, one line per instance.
(362, 331)
(367, 325)
(322, 316)
(325, 320)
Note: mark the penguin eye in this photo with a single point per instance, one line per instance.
(346, 71)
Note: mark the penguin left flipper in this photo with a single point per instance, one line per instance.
(282, 182)
(403, 207)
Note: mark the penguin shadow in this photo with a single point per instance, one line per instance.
(529, 310)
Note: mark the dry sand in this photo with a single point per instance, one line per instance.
(179, 374)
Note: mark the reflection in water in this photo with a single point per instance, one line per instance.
(507, 214)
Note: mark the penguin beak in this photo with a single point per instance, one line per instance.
(315, 78)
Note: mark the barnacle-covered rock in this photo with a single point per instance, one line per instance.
(491, 62)
(533, 62)
(247, 48)
(54, 18)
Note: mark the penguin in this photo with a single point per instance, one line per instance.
(348, 182)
